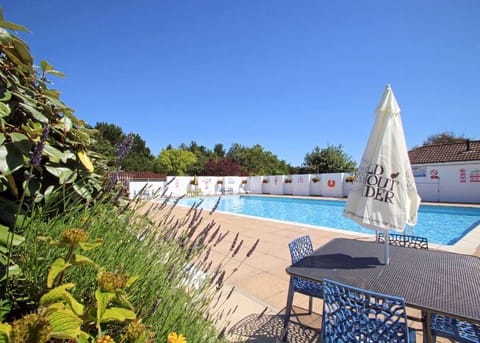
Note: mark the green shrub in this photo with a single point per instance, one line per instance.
(168, 256)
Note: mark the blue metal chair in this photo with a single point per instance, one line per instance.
(300, 248)
(406, 241)
(454, 329)
(353, 314)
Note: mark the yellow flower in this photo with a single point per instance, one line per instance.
(109, 282)
(74, 236)
(30, 328)
(174, 338)
(136, 330)
(105, 339)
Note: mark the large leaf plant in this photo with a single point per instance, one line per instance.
(43, 146)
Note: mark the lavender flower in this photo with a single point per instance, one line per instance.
(123, 149)
(36, 155)
(230, 293)
(250, 252)
(112, 181)
(237, 249)
(220, 280)
(234, 242)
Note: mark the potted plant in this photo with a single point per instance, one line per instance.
(244, 182)
(288, 179)
(194, 181)
(315, 179)
(265, 181)
(350, 178)
(219, 182)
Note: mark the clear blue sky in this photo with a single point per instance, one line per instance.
(288, 75)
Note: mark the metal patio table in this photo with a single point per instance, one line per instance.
(432, 281)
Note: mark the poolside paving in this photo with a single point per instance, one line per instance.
(261, 283)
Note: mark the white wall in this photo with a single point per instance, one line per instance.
(316, 187)
(332, 185)
(301, 184)
(448, 182)
(148, 189)
(347, 185)
(179, 186)
(254, 184)
(276, 184)
(208, 184)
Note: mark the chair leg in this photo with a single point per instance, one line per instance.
(288, 309)
(427, 324)
(310, 305)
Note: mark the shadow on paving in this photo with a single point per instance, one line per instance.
(268, 328)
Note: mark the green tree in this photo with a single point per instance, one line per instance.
(110, 136)
(256, 161)
(443, 138)
(329, 160)
(107, 136)
(219, 151)
(175, 161)
(139, 157)
(202, 154)
(110, 132)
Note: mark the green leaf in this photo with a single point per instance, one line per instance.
(80, 259)
(56, 268)
(82, 191)
(5, 308)
(48, 191)
(12, 26)
(18, 137)
(10, 159)
(123, 299)
(20, 142)
(61, 293)
(90, 245)
(31, 187)
(103, 298)
(67, 124)
(22, 51)
(5, 36)
(5, 331)
(85, 338)
(131, 280)
(4, 110)
(117, 314)
(14, 270)
(7, 96)
(6, 236)
(35, 113)
(54, 154)
(62, 173)
(45, 66)
(64, 324)
(56, 73)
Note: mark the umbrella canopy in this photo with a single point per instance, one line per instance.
(383, 195)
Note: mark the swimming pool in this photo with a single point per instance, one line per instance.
(440, 224)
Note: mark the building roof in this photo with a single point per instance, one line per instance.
(449, 152)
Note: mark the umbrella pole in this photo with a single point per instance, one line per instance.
(387, 245)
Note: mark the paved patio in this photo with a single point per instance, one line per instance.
(260, 282)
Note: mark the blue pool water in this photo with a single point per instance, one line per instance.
(440, 224)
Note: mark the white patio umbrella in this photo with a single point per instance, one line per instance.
(383, 195)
